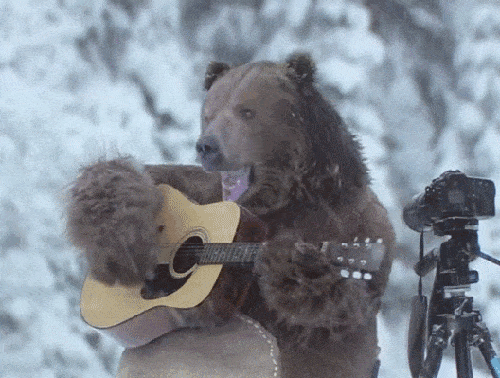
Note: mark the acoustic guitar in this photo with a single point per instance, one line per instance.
(195, 242)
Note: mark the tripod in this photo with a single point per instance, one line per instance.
(451, 314)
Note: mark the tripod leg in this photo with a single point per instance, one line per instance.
(462, 355)
(483, 342)
(417, 334)
(435, 347)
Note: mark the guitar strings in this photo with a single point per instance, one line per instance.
(189, 249)
(194, 247)
(185, 250)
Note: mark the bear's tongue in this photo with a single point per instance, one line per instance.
(234, 183)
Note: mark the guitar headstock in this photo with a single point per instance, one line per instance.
(358, 259)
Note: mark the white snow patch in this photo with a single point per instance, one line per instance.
(332, 9)
(358, 16)
(485, 53)
(452, 148)
(24, 269)
(281, 45)
(380, 177)
(359, 45)
(477, 82)
(486, 18)
(365, 117)
(373, 148)
(468, 118)
(346, 76)
(297, 11)
(427, 20)
(21, 308)
(487, 150)
(8, 149)
(404, 93)
(272, 8)
(392, 355)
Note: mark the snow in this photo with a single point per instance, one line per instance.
(468, 118)
(334, 10)
(25, 264)
(341, 74)
(358, 17)
(486, 19)
(366, 118)
(297, 11)
(271, 8)
(60, 111)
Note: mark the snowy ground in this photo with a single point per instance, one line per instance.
(67, 98)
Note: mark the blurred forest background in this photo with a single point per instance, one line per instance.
(417, 80)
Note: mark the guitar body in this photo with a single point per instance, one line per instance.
(124, 312)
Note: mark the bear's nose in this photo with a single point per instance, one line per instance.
(208, 150)
(207, 145)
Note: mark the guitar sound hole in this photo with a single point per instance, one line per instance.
(163, 284)
(187, 255)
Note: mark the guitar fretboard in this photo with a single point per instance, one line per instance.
(224, 253)
(360, 256)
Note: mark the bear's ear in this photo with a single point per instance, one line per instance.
(213, 72)
(300, 68)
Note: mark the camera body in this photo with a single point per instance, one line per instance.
(451, 195)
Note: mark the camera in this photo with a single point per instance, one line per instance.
(451, 195)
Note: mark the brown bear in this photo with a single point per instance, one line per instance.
(273, 144)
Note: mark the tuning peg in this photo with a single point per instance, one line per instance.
(357, 275)
(380, 241)
(355, 240)
(367, 241)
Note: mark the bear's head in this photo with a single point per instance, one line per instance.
(266, 126)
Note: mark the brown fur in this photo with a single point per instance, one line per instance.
(111, 218)
(308, 182)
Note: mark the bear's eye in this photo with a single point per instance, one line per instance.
(247, 113)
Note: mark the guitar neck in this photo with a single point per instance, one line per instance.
(360, 256)
(225, 253)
